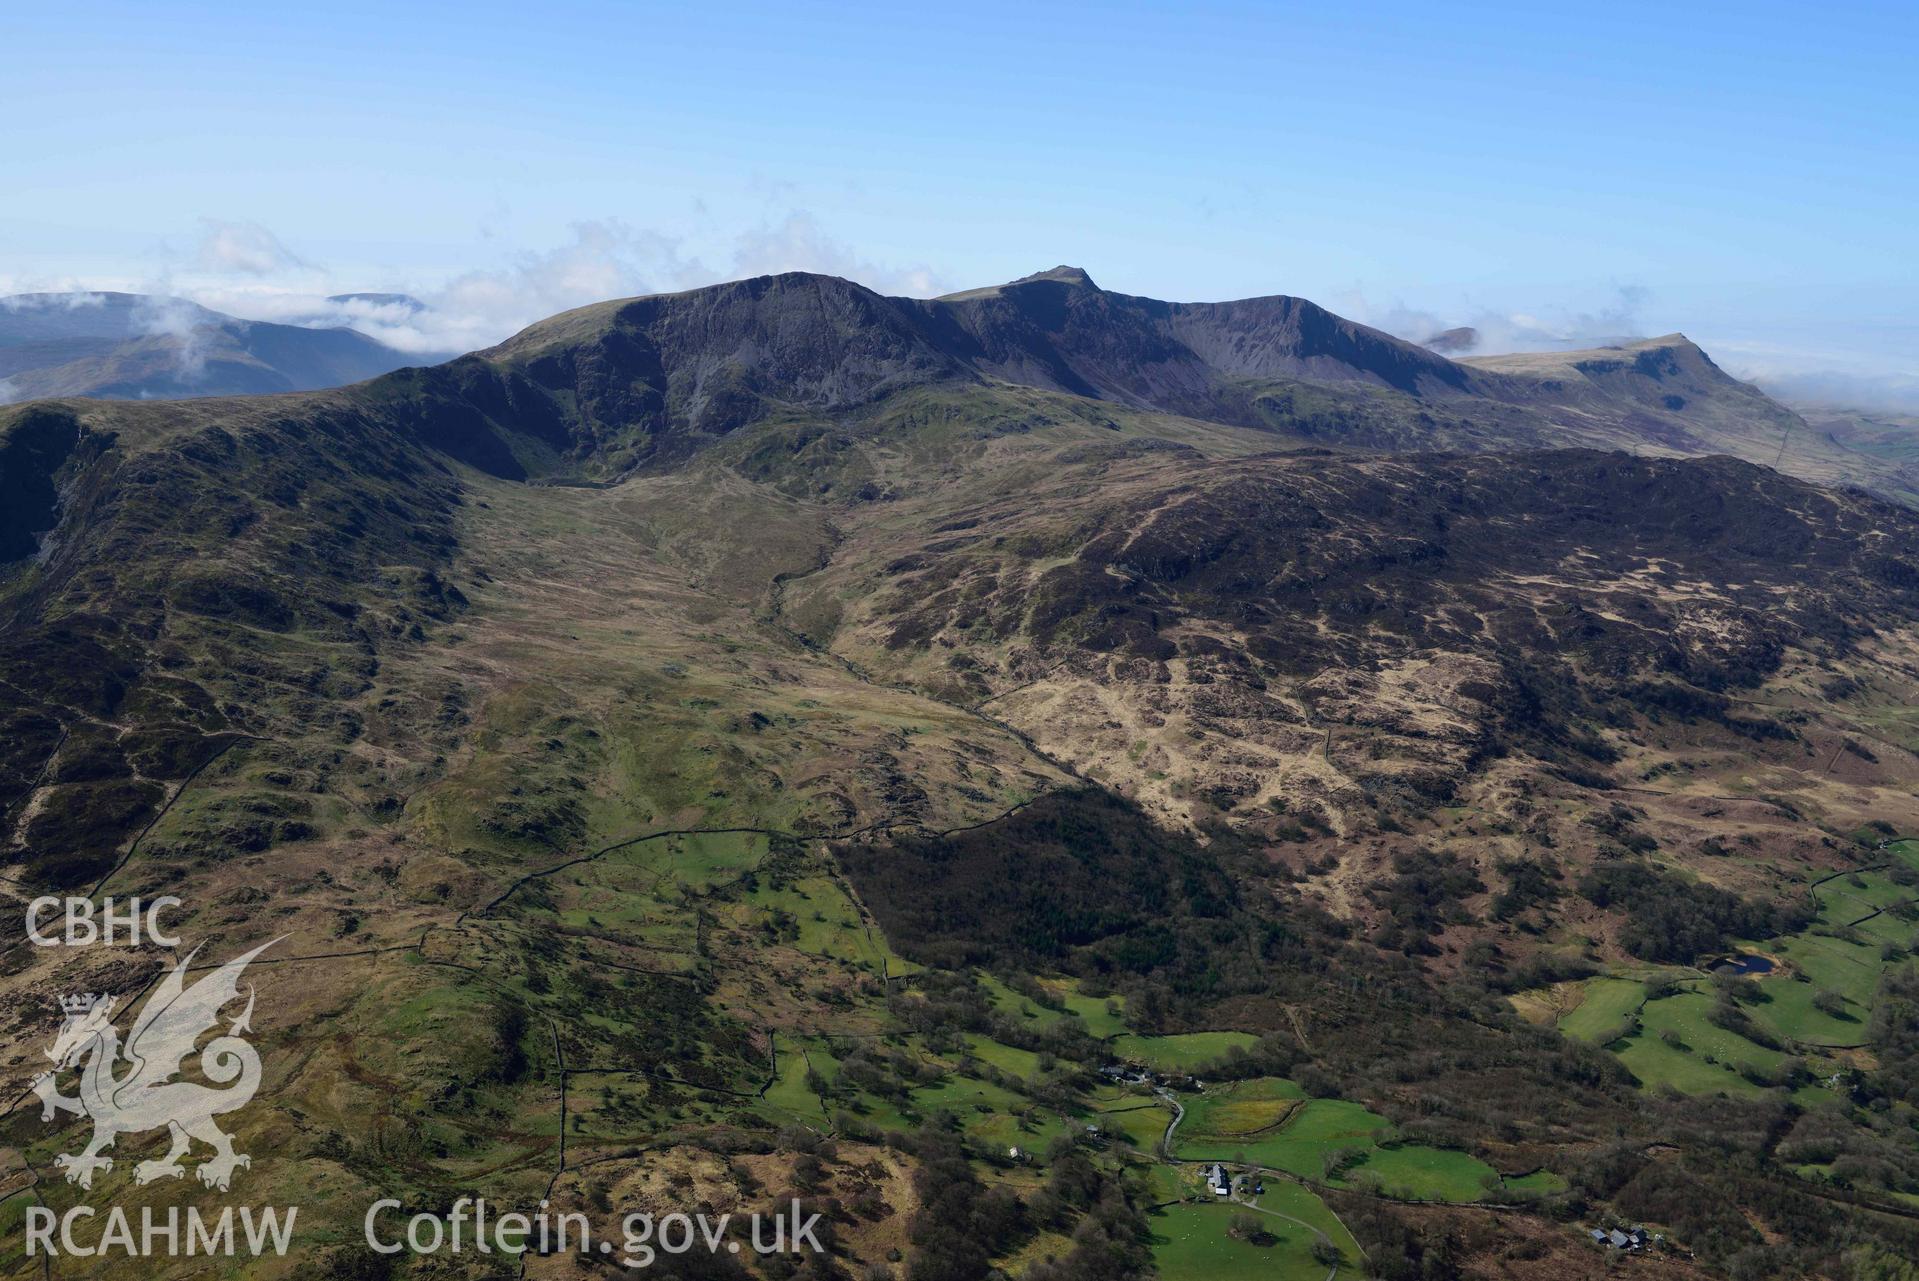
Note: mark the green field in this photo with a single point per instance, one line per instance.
(1313, 1133)
(1191, 1243)
(1603, 1009)
(1316, 1130)
(1833, 957)
(1292, 1199)
(1427, 1174)
(1788, 1009)
(1166, 1183)
(1136, 1120)
(1008, 1059)
(1091, 1011)
(1239, 1110)
(1864, 891)
(1181, 1053)
(822, 921)
(1841, 954)
(1684, 1015)
(788, 1093)
(991, 1114)
(1703, 1060)
(1540, 1181)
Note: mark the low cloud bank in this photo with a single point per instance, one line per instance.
(1885, 384)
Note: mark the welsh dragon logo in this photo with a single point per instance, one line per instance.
(147, 1094)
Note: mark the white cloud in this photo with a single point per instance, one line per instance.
(1500, 330)
(601, 259)
(1897, 393)
(799, 243)
(1822, 375)
(604, 259)
(242, 248)
(8, 392)
(162, 316)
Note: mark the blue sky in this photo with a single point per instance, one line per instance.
(1747, 173)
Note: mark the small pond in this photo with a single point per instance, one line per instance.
(1744, 963)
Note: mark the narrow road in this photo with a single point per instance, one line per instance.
(1179, 1114)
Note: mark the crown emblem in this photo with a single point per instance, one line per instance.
(74, 1006)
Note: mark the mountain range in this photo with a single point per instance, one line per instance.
(141, 346)
(648, 381)
(780, 739)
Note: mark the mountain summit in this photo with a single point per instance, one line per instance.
(1074, 276)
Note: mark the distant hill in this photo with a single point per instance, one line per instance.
(406, 302)
(1453, 342)
(145, 347)
(1673, 397)
(1657, 376)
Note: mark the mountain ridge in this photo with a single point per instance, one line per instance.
(652, 380)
